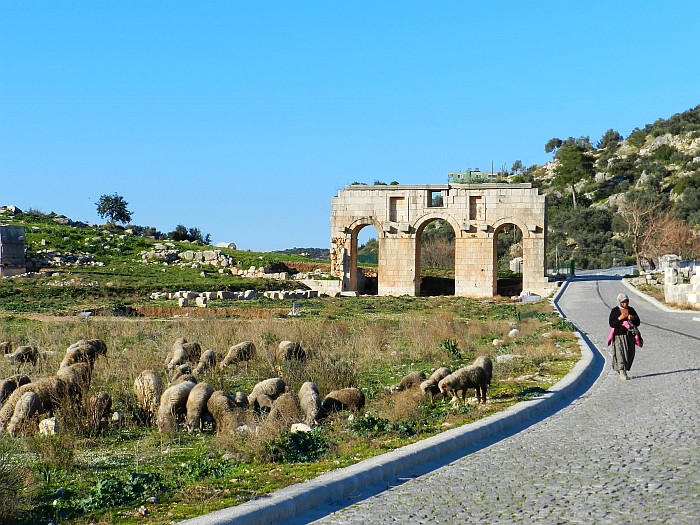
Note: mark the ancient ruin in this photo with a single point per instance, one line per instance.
(12, 239)
(477, 213)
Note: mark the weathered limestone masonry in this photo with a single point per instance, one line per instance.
(12, 239)
(477, 214)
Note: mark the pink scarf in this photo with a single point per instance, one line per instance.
(637, 337)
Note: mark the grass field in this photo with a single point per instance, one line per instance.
(125, 471)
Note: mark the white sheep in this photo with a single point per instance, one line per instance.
(51, 392)
(223, 410)
(9, 385)
(24, 354)
(310, 402)
(344, 399)
(85, 351)
(243, 351)
(207, 362)
(410, 380)
(173, 402)
(485, 362)
(286, 408)
(291, 351)
(27, 405)
(197, 406)
(272, 388)
(148, 387)
(459, 381)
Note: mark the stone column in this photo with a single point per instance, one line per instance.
(534, 280)
(398, 266)
(475, 263)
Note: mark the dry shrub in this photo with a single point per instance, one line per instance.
(488, 330)
(249, 445)
(400, 406)
(53, 451)
(528, 327)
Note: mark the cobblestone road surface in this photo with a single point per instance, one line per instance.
(625, 452)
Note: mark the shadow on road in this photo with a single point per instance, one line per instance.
(667, 373)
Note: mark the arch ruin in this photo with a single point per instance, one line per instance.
(475, 212)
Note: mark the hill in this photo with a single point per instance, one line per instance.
(75, 266)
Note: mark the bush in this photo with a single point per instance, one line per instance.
(297, 447)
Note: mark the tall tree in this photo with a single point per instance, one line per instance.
(641, 221)
(114, 207)
(610, 138)
(552, 145)
(574, 164)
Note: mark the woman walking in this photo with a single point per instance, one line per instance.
(623, 323)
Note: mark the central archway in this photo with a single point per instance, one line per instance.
(435, 252)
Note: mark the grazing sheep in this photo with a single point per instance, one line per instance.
(224, 411)
(98, 407)
(197, 406)
(286, 408)
(429, 387)
(193, 349)
(9, 385)
(273, 388)
(262, 404)
(440, 373)
(244, 351)
(77, 378)
(148, 388)
(25, 408)
(182, 378)
(51, 391)
(344, 399)
(178, 354)
(291, 350)
(207, 362)
(85, 351)
(24, 354)
(485, 362)
(241, 399)
(467, 377)
(409, 381)
(180, 370)
(310, 402)
(173, 402)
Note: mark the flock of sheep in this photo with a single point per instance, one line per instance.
(185, 399)
(21, 399)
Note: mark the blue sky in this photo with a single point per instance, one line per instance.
(244, 119)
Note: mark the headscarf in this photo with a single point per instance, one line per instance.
(622, 297)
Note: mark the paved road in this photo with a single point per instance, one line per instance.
(624, 452)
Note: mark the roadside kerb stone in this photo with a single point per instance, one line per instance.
(373, 475)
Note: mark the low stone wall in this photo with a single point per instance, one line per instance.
(201, 299)
(682, 285)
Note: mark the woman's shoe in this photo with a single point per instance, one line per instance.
(623, 375)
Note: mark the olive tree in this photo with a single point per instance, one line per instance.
(114, 208)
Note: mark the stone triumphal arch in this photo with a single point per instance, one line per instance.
(476, 213)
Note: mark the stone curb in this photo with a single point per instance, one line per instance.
(374, 474)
